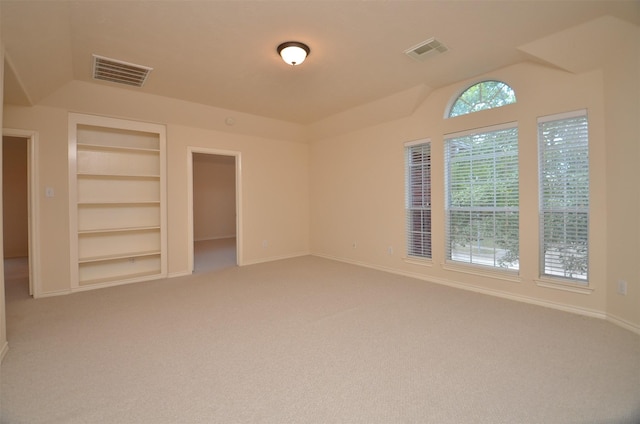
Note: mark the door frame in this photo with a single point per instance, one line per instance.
(33, 205)
(191, 150)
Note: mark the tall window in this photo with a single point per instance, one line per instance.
(481, 96)
(563, 142)
(418, 198)
(482, 198)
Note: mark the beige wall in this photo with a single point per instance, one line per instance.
(14, 190)
(274, 193)
(622, 113)
(359, 197)
(53, 243)
(214, 197)
(324, 194)
(274, 174)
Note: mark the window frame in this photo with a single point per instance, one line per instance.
(455, 99)
(584, 210)
(424, 198)
(449, 138)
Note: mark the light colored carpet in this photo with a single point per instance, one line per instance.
(213, 255)
(309, 340)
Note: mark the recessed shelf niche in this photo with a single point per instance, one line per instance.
(117, 201)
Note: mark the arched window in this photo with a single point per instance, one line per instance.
(481, 96)
(482, 200)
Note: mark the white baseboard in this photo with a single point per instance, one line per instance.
(275, 258)
(119, 282)
(179, 274)
(624, 323)
(477, 289)
(52, 293)
(257, 261)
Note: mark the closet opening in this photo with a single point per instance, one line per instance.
(19, 195)
(214, 188)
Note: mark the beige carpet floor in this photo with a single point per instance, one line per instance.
(213, 255)
(309, 340)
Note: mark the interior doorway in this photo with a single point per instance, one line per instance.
(214, 202)
(19, 170)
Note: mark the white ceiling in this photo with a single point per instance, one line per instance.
(223, 53)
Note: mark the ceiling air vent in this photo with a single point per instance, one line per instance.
(426, 49)
(119, 72)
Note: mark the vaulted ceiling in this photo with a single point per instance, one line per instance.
(223, 53)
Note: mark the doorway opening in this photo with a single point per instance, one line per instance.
(20, 206)
(214, 227)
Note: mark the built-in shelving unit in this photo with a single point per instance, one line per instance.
(117, 195)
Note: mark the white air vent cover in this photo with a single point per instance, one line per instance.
(119, 72)
(426, 49)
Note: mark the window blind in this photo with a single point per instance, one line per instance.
(563, 142)
(482, 197)
(418, 198)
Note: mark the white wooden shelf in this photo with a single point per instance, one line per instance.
(118, 191)
(88, 146)
(116, 203)
(117, 176)
(116, 230)
(124, 255)
(139, 276)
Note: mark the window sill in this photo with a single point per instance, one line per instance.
(418, 261)
(506, 275)
(566, 286)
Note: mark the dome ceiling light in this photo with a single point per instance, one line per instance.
(293, 52)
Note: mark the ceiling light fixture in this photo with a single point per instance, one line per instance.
(293, 52)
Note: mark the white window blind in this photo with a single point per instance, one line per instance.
(563, 142)
(482, 197)
(418, 198)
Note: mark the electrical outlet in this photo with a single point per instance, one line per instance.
(390, 250)
(354, 245)
(622, 287)
(265, 244)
